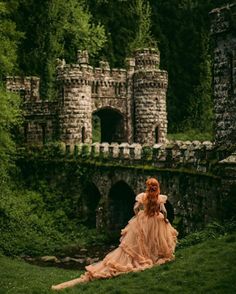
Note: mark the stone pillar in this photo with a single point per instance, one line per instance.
(150, 86)
(224, 73)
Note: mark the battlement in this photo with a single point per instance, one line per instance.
(176, 154)
(147, 58)
(84, 71)
(27, 87)
(130, 103)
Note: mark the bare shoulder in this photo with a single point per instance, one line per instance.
(163, 198)
(140, 197)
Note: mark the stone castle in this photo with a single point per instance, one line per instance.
(198, 177)
(131, 102)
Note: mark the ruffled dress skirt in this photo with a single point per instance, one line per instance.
(145, 242)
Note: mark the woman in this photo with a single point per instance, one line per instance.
(147, 240)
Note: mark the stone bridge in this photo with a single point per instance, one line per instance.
(199, 179)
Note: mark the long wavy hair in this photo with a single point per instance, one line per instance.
(152, 194)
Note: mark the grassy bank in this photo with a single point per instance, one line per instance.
(191, 135)
(209, 267)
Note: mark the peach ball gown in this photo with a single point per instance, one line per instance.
(146, 241)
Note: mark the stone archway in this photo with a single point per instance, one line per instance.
(121, 200)
(170, 211)
(110, 125)
(91, 198)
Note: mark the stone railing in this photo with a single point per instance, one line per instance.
(176, 154)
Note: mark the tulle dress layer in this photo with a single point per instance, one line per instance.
(145, 242)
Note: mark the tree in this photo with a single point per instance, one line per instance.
(9, 103)
(55, 29)
(141, 11)
(9, 37)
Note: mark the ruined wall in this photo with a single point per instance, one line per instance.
(41, 117)
(224, 73)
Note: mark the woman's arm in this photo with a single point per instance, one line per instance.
(139, 202)
(163, 210)
(137, 207)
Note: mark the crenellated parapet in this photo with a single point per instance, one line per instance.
(194, 155)
(129, 102)
(26, 87)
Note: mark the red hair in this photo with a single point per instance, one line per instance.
(152, 193)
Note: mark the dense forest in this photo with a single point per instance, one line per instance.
(34, 33)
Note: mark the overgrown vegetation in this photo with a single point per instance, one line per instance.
(191, 135)
(36, 215)
(40, 32)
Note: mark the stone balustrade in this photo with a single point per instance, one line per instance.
(174, 154)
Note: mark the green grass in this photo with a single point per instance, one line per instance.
(191, 135)
(209, 267)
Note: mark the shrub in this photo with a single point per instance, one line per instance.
(212, 231)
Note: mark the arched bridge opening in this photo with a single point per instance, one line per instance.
(91, 197)
(120, 206)
(170, 211)
(108, 126)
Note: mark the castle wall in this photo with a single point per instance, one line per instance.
(224, 73)
(41, 122)
(41, 117)
(129, 102)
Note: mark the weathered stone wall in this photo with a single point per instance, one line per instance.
(194, 155)
(41, 116)
(105, 194)
(75, 103)
(195, 198)
(224, 73)
(27, 87)
(130, 102)
(150, 86)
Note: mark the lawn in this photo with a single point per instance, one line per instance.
(209, 267)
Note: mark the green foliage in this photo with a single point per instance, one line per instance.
(147, 153)
(9, 37)
(96, 122)
(141, 11)
(191, 135)
(212, 231)
(9, 118)
(9, 103)
(85, 151)
(32, 223)
(55, 29)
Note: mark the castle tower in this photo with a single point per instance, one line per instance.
(75, 113)
(150, 86)
(224, 73)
